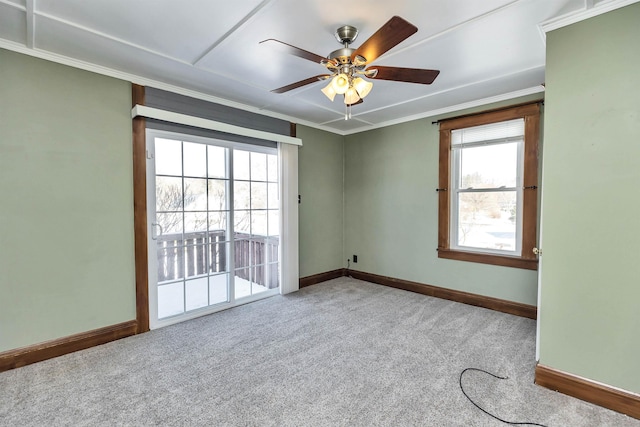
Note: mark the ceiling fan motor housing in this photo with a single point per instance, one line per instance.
(343, 56)
(346, 34)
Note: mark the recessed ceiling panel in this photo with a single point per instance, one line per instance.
(180, 29)
(471, 93)
(13, 24)
(305, 111)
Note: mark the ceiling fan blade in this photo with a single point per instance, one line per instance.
(389, 35)
(411, 75)
(292, 50)
(301, 83)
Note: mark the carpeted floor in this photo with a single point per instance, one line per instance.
(341, 353)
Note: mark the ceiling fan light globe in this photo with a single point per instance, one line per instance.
(340, 83)
(329, 91)
(351, 96)
(362, 86)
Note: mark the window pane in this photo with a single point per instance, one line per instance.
(195, 226)
(242, 282)
(168, 157)
(487, 220)
(218, 288)
(273, 249)
(258, 251)
(241, 195)
(195, 258)
(258, 195)
(274, 200)
(195, 159)
(241, 168)
(259, 281)
(197, 294)
(274, 223)
(242, 254)
(217, 158)
(258, 167)
(168, 194)
(259, 223)
(195, 194)
(218, 224)
(170, 264)
(273, 276)
(489, 166)
(218, 257)
(170, 300)
(272, 166)
(242, 222)
(217, 195)
(170, 225)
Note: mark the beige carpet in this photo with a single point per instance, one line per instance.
(341, 353)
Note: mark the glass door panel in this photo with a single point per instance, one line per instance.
(191, 216)
(216, 212)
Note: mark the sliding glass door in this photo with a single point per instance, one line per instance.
(214, 218)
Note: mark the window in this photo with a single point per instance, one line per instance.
(488, 182)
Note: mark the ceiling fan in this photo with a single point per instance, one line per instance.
(348, 66)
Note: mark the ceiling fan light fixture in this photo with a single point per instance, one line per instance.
(351, 96)
(362, 86)
(340, 83)
(329, 91)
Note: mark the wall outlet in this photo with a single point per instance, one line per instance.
(355, 259)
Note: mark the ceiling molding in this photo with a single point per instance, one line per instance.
(248, 18)
(575, 17)
(450, 29)
(12, 4)
(453, 108)
(110, 37)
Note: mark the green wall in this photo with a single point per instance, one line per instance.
(66, 222)
(391, 213)
(320, 182)
(590, 306)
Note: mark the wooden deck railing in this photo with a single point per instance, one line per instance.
(200, 253)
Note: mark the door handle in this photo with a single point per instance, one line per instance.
(537, 251)
(155, 236)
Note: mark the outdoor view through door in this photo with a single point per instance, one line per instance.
(216, 225)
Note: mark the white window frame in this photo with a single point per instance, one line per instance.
(456, 179)
(288, 248)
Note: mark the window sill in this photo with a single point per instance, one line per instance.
(502, 260)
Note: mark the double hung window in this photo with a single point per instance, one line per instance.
(488, 183)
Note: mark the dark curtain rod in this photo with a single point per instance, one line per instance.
(539, 101)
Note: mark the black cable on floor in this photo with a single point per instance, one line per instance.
(485, 411)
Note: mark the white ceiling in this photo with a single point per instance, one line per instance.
(486, 50)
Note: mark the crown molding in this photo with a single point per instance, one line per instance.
(574, 17)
